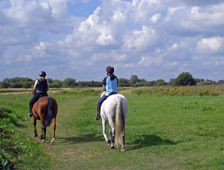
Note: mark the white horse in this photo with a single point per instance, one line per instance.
(115, 109)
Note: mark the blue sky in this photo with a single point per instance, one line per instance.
(83, 8)
(154, 39)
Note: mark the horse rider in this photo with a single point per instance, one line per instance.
(40, 89)
(110, 84)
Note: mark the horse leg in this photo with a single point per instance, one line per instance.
(104, 131)
(123, 141)
(43, 131)
(54, 129)
(35, 128)
(111, 136)
(112, 133)
(123, 144)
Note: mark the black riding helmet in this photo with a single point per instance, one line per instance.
(42, 74)
(110, 69)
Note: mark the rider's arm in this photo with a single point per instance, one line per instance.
(104, 83)
(47, 86)
(35, 84)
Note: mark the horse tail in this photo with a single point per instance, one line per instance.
(50, 109)
(120, 122)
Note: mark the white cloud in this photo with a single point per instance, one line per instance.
(118, 16)
(211, 45)
(173, 35)
(105, 37)
(150, 61)
(140, 39)
(174, 46)
(171, 12)
(204, 19)
(155, 18)
(171, 64)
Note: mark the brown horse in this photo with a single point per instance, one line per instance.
(45, 110)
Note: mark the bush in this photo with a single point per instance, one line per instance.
(123, 82)
(17, 82)
(184, 79)
(69, 82)
(9, 148)
(54, 83)
(180, 91)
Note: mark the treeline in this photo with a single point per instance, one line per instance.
(183, 79)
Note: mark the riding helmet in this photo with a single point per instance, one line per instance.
(42, 74)
(110, 69)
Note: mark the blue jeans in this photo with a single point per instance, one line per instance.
(101, 100)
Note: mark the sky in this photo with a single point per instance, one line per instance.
(153, 39)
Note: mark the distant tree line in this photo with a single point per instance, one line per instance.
(183, 79)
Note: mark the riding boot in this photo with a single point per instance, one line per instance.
(98, 116)
(30, 114)
(32, 101)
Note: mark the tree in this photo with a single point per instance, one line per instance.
(17, 82)
(123, 82)
(69, 82)
(221, 82)
(198, 81)
(207, 82)
(184, 79)
(160, 82)
(133, 79)
(55, 84)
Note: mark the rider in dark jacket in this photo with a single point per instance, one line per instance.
(40, 89)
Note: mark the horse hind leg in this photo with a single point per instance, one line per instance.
(43, 131)
(123, 139)
(35, 127)
(104, 131)
(54, 129)
(112, 131)
(123, 144)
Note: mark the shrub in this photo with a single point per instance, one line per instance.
(184, 79)
(9, 148)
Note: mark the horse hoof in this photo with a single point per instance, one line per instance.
(43, 140)
(112, 147)
(122, 149)
(35, 135)
(52, 141)
(108, 142)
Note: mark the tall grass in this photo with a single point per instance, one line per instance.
(180, 91)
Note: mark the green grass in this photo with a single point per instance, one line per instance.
(163, 132)
(17, 147)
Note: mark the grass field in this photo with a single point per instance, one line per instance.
(163, 132)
